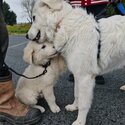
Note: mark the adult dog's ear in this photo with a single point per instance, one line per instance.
(28, 53)
(53, 4)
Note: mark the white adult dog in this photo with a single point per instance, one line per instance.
(28, 90)
(90, 47)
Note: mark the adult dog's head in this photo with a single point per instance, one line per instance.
(46, 16)
(39, 54)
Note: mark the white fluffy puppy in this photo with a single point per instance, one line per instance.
(90, 47)
(28, 90)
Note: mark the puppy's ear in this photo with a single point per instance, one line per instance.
(28, 53)
(53, 4)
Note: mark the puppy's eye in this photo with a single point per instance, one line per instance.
(34, 18)
(43, 47)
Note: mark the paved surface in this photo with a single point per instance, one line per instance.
(108, 104)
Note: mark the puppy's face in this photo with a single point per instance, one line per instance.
(45, 52)
(39, 54)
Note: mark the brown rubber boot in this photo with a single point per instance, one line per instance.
(12, 111)
(8, 103)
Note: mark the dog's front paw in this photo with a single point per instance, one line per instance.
(77, 122)
(55, 109)
(123, 88)
(71, 107)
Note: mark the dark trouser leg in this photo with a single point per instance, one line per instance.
(5, 75)
(3, 39)
(99, 79)
(98, 10)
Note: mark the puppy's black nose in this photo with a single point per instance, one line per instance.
(27, 36)
(54, 47)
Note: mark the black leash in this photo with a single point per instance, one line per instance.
(43, 73)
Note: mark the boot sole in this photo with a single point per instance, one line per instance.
(15, 120)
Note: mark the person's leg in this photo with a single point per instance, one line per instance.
(96, 9)
(99, 11)
(99, 79)
(11, 110)
(4, 73)
(71, 78)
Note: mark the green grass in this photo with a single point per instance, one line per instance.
(18, 29)
(110, 10)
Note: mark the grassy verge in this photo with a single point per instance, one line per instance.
(18, 29)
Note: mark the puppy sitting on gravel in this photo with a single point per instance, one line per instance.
(28, 90)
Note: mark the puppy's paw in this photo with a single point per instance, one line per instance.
(39, 107)
(71, 107)
(55, 109)
(42, 109)
(122, 88)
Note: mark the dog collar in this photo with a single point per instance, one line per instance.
(58, 26)
(47, 64)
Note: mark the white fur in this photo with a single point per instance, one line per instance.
(77, 39)
(28, 90)
(122, 88)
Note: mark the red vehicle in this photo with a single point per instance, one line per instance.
(96, 6)
(85, 3)
(93, 6)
